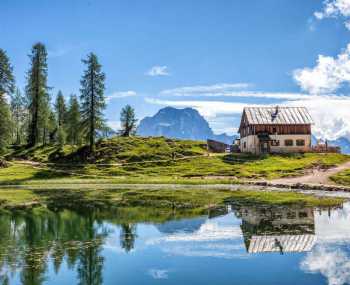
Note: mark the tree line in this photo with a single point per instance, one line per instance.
(32, 118)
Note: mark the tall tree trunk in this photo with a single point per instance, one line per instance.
(92, 118)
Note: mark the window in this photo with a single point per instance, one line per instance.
(275, 143)
(300, 142)
(274, 130)
(288, 142)
(244, 145)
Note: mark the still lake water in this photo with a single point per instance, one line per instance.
(233, 245)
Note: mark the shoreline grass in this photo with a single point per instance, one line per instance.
(179, 199)
(222, 169)
(342, 178)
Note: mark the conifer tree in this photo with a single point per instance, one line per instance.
(128, 121)
(46, 124)
(73, 121)
(7, 85)
(37, 94)
(61, 112)
(92, 99)
(19, 116)
(61, 109)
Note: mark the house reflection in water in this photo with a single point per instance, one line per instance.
(276, 229)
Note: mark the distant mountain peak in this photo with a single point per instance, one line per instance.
(185, 123)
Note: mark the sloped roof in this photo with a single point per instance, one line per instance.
(285, 243)
(277, 115)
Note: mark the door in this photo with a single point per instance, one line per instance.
(264, 147)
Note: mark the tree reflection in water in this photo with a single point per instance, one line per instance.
(29, 240)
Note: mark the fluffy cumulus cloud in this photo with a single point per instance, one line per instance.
(327, 76)
(158, 70)
(334, 264)
(330, 114)
(335, 8)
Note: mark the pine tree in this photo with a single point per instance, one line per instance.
(52, 128)
(7, 85)
(61, 112)
(61, 109)
(46, 123)
(19, 116)
(92, 99)
(73, 121)
(37, 94)
(128, 121)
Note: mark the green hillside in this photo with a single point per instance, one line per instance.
(153, 160)
(114, 150)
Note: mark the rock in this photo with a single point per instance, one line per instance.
(3, 163)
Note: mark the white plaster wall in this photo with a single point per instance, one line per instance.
(285, 149)
(252, 144)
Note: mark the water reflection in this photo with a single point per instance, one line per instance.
(66, 247)
(276, 229)
(29, 241)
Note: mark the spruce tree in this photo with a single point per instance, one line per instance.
(92, 99)
(128, 121)
(52, 128)
(73, 121)
(37, 94)
(19, 116)
(7, 85)
(61, 109)
(61, 112)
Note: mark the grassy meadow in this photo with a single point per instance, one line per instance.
(68, 176)
(158, 161)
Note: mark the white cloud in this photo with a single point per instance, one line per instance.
(207, 232)
(158, 70)
(209, 109)
(121, 94)
(332, 263)
(60, 51)
(115, 125)
(158, 273)
(215, 238)
(229, 90)
(330, 113)
(347, 24)
(205, 90)
(327, 76)
(334, 8)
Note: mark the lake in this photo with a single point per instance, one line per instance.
(233, 244)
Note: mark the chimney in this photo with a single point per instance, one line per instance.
(274, 115)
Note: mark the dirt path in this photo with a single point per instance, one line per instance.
(317, 176)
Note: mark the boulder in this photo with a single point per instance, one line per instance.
(3, 163)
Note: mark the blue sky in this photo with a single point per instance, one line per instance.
(215, 56)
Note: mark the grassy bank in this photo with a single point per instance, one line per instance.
(342, 178)
(179, 199)
(190, 170)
